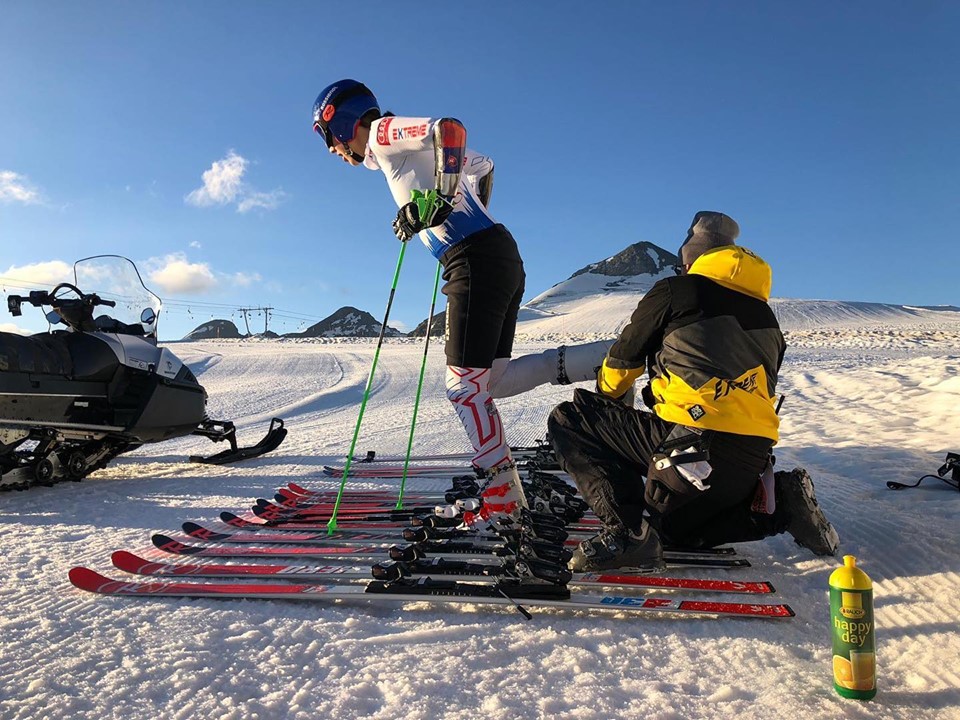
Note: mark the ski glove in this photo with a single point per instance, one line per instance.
(425, 209)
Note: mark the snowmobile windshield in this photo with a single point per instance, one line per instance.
(116, 278)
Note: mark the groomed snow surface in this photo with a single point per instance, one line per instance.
(864, 405)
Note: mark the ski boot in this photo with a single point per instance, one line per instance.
(807, 523)
(611, 550)
(502, 491)
(500, 495)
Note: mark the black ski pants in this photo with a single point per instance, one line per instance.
(484, 286)
(606, 447)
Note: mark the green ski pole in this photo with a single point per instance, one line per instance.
(416, 402)
(332, 524)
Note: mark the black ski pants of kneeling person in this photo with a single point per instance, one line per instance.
(606, 447)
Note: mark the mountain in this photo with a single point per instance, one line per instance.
(597, 299)
(438, 326)
(214, 329)
(642, 258)
(346, 322)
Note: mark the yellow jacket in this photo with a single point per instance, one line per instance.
(711, 344)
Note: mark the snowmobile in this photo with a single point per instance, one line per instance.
(73, 399)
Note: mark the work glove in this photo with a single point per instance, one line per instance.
(425, 209)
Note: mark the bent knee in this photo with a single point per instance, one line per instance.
(561, 418)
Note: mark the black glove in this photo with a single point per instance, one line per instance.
(424, 210)
(407, 223)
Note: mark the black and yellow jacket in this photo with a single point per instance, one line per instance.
(711, 344)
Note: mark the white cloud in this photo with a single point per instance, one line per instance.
(42, 274)
(16, 188)
(266, 201)
(11, 328)
(175, 274)
(242, 279)
(223, 184)
(172, 274)
(196, 244)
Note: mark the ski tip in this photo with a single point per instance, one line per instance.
(128, 562)
(198, 531)
(769, 587)
(789, 611)
(87, 579)
(299, 489)
(168, 544)
(235, 520)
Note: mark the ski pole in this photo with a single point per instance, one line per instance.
(332, 524)
(416, 402)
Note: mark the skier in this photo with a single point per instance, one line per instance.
(443, 189)
(713, 348)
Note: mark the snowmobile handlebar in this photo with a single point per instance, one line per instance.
(39, 298)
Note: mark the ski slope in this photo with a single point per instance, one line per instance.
(867, 402)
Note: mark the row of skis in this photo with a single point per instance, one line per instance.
(425, 549)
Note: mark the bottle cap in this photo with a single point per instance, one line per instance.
(850, 577)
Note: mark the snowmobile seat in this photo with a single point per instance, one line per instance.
(43, 354)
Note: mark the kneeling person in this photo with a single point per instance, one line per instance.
(712, 347)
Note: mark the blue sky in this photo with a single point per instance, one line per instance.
(828, 130)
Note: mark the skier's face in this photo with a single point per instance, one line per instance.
(358, 145)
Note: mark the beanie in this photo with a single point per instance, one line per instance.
(708, 230)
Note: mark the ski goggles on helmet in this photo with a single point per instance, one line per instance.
(336, 116)
(323, 132)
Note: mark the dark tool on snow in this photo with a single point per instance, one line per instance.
(951, 466)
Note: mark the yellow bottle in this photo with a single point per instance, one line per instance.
(854, 632)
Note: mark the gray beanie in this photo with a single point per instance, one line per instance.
(708, 230)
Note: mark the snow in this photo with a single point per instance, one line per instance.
(872, 395)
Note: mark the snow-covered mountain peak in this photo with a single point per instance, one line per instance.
(642, 258)
(633, 270)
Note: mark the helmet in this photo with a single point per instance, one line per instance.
(338, 109)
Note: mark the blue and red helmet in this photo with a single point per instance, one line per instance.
(338, 109)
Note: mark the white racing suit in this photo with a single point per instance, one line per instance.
(483, 273)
